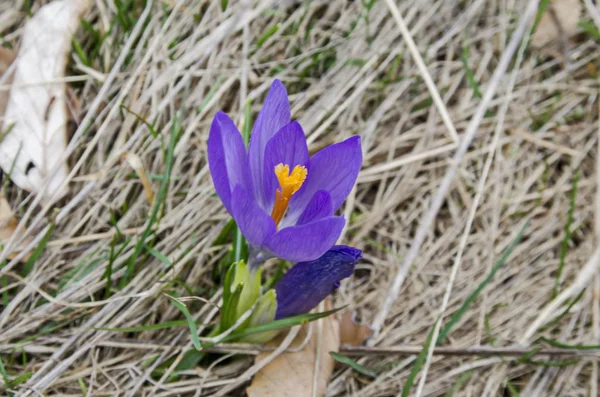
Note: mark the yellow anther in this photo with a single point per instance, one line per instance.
(289, 183)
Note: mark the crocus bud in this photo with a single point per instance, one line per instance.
(306, 284)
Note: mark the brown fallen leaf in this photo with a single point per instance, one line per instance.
(138, 166)
(7, 56)
(8, 224)
(291, 374)
(561, 17)
(351, 332)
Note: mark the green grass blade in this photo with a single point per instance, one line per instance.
(83, 387)
(281, 324)
(561, 345)
(540, 13)
(38, 250)
(20, 379)
(4, 373)
(240, 246)
(142, 120)
(225, 234)
(471, 298)
(158, 255)
(210, 95)
(153, 327)
(469, 74)
(513, 390)
(270, 32)
(590, 28)
(563, 314)
(564, 248)
(459, 383)
(553, 363)
(527, 356)
(190, 321)
(81, 53)
(418, 363)
(353, 364)
(158, 204)
(224, 4)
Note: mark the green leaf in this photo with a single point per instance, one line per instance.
(281, 324)
(210, 95)
(513, 390)
(561, 345)
(80, 53)
(20, 379)
(190, 359)
(150, 127)
(158, 255)
(469, 74)
(263, 313)
(4, 373)
(270, 32)
(590, 28)
(229, 308)
(190, 321)
(457, 315)
(563, 314)
(353, 364)
(225, 233)
(471, 298)
(418, 363)
(553, 363)
(540, 12)
(38, 250)
(459, 383)
(564, 248)
(265, 309)
(240, 246)
(82, 386)
(525, 357)
(158, 204)
(152, 327)
(224, 4)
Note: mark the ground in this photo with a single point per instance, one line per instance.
(434, 220)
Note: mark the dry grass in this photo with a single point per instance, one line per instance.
(349, 71)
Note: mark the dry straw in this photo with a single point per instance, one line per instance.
(427, 84)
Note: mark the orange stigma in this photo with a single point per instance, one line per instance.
(289, 183)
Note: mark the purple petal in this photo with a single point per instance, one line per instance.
(333, 169)
(288, 146)
(274, 114)
(227, 158)
(307, 283)
(306, 242)
(320, 206)
(254, 223)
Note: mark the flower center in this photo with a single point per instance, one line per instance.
(289, 183)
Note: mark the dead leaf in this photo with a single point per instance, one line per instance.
(138, 166)
(561, 17)
(8, 224)
(291, 373)
(7, 57)
(36, 113)
(351, 332)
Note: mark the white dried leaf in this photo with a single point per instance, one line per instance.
(36, 114)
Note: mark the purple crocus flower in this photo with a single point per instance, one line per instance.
(282, 200)
(307, 283)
